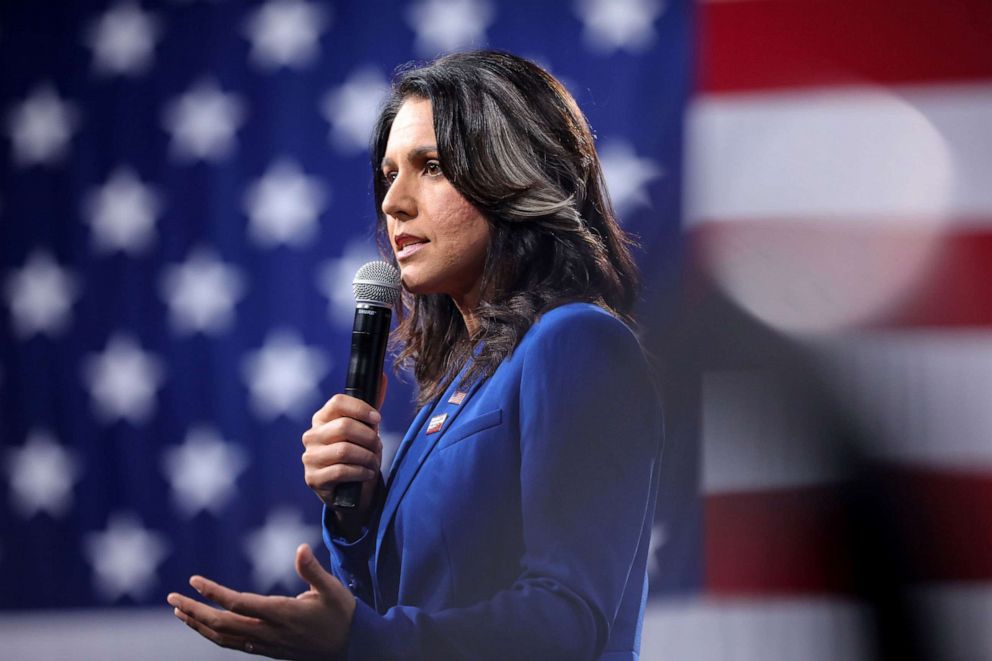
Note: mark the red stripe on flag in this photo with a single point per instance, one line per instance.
(777, 542)
(762, 44)
(957, 291)
(922, 524)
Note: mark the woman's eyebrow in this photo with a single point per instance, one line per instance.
(422, 151)
(414, 153)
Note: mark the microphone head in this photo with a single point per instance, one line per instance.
(377, 283)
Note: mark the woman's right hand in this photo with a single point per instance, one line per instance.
(343, 445)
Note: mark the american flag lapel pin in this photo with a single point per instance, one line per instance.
(436, 423)
(457, 398)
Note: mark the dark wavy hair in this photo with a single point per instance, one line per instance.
(513, 142)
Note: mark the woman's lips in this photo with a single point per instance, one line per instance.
(409, 249)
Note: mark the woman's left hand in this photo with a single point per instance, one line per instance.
(314, 625)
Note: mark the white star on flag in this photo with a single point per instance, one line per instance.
(40, 296)
(125, 557)
(122, 213)
(283, 206)
(352, 108)
(42, 474)
(286, 33)
(284, 375)
(627, 176)
(612, 25)
(203, 122)
(123, 380)
(201, 293)
(272, 549)
(41, 126)
(334, 280)
(202, 471)
(449, 25)
(123, 39)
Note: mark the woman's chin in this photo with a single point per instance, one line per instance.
(415, 286)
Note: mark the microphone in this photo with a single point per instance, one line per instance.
(377, 289)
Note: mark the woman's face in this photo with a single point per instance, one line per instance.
(438, 237)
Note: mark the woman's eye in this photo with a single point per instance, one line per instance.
(433, 168)
(389, 177)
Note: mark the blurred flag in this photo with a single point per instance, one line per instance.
(837, 199)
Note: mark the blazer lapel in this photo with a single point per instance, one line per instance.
(411, 433)
(398, 488)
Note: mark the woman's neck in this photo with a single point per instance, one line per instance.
(468, 305)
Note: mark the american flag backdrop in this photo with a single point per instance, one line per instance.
(186, 196)
(837, 199)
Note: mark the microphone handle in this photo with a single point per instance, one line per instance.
(368, 351)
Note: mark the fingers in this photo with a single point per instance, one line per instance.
(222, 626)
(323, 479)
(345, 406)
(243, 603)
(244, 644)
(310, 571)
(322, 456)
(340, 451)
(328, 465)
(342, 429)
(248, 617)
(231, 642)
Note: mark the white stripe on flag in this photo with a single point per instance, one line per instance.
(924, 396)
(755, 630)
(954, 617)
(840, 154)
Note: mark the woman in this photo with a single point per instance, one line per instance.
(516, 520)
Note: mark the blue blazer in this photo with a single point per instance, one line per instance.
(518, 513)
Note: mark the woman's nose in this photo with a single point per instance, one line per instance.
(399, 201)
